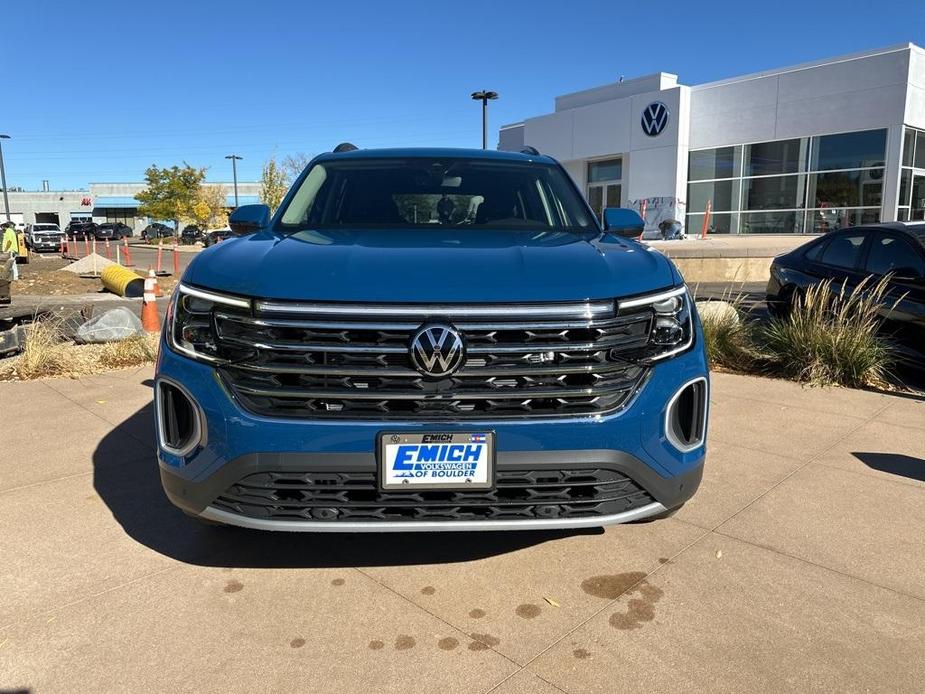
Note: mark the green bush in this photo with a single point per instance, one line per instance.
(830, 337)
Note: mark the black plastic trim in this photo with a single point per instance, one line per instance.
(195, 495)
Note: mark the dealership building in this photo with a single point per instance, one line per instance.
(799, 149)
(101, 202)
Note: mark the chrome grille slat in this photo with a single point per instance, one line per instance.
(269, 322)
(346, 361)
(572, 310)
(361, 394)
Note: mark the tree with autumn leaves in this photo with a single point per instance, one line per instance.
(178, 193)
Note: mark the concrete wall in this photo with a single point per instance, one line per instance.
(61, 203)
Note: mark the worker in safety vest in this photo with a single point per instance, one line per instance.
(10, 244)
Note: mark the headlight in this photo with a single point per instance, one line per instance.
(672, 329)
(191, 322)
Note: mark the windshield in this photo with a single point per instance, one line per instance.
(426, 192)
(46, 227)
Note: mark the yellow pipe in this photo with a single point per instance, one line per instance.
(122, 281)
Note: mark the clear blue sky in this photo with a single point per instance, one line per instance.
(98, 91)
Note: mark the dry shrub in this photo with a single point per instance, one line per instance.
(830, 337)
(134, 351)
(728, 334)
(47, 353)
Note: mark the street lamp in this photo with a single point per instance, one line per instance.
(484, 97)
(234, 168)
(6, 198)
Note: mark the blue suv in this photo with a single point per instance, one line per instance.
(431, 339)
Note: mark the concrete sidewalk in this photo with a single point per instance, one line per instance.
(798, 566)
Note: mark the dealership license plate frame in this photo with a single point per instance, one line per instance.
(385, 438)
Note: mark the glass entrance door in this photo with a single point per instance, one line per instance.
(601, 195)
(604, 179)
(917, 209)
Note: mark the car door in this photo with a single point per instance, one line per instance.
(904, 306)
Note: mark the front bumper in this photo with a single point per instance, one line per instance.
(236, 443)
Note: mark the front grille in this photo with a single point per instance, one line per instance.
(329, 361)
(355, 496)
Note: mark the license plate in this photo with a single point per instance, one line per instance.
(437, 460)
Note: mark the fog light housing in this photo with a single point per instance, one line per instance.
(686, 416)
(180, 426)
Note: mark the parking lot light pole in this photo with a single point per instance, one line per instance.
(484, 96)
(6, 198)
(234, 169)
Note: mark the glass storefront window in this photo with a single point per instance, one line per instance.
(846, 188)
(610, 170)
(905, 187)
(788, 222)
(829, 219)
(908, 147)
(919, 160)
(849, 150)
(713, 163)
(769, 158)
(724, 194)
(800, 184)
(902, 214)
(774, 193)
(719, 224)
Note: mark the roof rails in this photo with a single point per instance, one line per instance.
(527, 149)
(345, 147)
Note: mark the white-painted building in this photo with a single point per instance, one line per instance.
(799, 149)
(100, 202)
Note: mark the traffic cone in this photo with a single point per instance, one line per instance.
(128, 253)
(150, 321)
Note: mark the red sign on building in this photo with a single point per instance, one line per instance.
(86, 202)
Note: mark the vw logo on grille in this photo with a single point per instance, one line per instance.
(437, 350)
(654, 118)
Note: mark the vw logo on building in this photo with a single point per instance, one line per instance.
(654, 118)
(437, 350)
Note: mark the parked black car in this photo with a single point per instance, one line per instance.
(191, 234)
(112, 230)
(156, 230)
(847, 257)
(80, 230)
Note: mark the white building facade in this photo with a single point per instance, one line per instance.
(101, 202)
(801, 149)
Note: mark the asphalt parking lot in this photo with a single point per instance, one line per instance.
(799, 566)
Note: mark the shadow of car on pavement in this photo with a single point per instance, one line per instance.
(131, 488)
(894, 463)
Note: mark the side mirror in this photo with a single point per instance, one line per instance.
(623, 222)
(249, 218)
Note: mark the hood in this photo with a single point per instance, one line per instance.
(430, 265)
